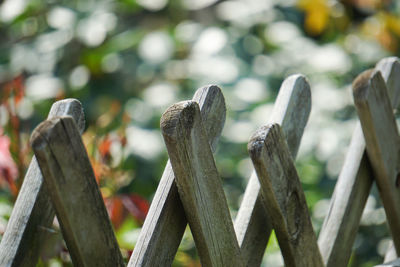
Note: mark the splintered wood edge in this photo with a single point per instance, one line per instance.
(178, 115)
(257, 141)
(69, 107)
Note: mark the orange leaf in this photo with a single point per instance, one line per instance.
(18, 84)
(115, 210)
(8, 168)
(104, 147)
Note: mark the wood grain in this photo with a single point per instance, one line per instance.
(291, 110)
(199, 185)
(382, 141)
(76, 197)
(354, 184)
(165, 222)
(33, 215)
(283, 197)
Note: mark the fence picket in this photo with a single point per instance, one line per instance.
(283, 197)
(291, 110)
(199, 185)
(165, 222)
(71, 184)
(382, 142)
(33, 213)
(273, 196)
(353, 185)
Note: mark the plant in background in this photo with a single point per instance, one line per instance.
(126, 61)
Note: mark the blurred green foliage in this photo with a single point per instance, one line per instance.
(127, 61)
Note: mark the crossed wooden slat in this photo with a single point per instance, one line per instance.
(354, 184)
(33, 214)
(190, 189)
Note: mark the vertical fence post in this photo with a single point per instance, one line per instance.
(70, 182)
(33, 214)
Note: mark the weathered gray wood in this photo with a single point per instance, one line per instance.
(283, 197)
(199, 185)
(33, 213)
(391, 254)
(291, 110)
(382, 142)
(71, 184)
(347, 204)
(395, 263)
(354, 185)
(165, 222)
(390, 70)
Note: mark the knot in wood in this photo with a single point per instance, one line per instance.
(293, 209)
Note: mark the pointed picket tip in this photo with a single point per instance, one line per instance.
(257, 141)
(361, 84)
(294, 108)
(178, 116)
(71, 107)
(39, 135)
(388, 66)
(213, 109)
(390, 70)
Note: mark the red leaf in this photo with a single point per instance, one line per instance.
(8, 168)
(136, 205)
(18, 84)
(115, 211)
(104, 147)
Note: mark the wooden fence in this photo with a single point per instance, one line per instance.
(60, 181)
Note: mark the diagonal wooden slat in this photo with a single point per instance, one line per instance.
(354, 184)
(199, 185)
(33, 214)
(382, 142)
(291, 110)
(165, 222)
(391, 254)
(71, 184)
(283, 197)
